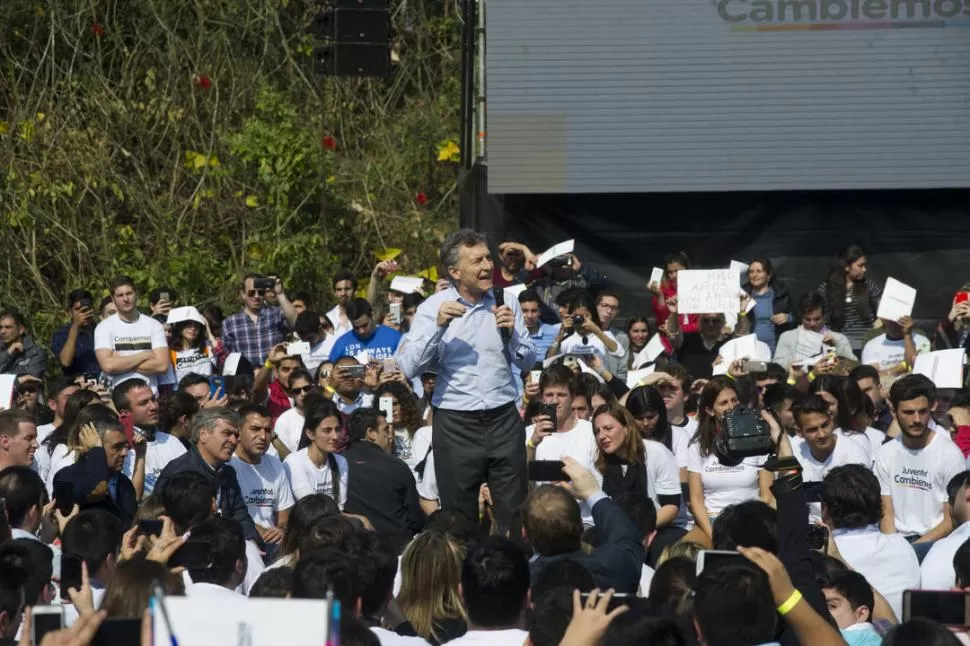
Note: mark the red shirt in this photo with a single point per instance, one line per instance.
(279, 401)
(688, 322)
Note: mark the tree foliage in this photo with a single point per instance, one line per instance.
(185, 142)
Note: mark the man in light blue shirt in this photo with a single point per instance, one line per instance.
(542, 334)
(472, 343)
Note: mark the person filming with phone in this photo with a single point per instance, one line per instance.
(73, 344)
(471, 336)
(258, 328)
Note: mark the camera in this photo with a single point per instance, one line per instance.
(578, 321)
(263, 283)
(744, 435)
(561, 261)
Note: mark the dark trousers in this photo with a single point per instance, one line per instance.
(472, 447)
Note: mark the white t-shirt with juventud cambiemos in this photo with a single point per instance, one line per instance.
(724, 485)
(916, 481)
(306, 478)
(845, 452)
(265, 488)
(126, 339)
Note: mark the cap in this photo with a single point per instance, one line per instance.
(183, 314)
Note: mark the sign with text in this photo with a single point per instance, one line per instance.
(707, 291)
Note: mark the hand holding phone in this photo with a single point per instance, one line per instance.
(547, 471)
(127, 425)
(717, 558)
(192, 555)
(297, 348)
(217, 387)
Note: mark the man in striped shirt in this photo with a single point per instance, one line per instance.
(255, 329)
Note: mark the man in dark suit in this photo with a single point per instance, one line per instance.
(95, 480)
(380, 486)
(552, 524)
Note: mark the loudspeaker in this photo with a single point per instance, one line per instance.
(353, 26)
(352, 59)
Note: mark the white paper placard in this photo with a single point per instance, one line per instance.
(512, 292)
(650, 352)
(744, 347)
(707, 291)
(589, 371)
(807, 344)
(740, 268)
(897, 300)
(407, 284)
(7, 382)
(555, 251)
(656, 276)
(230, 621)
(231, 365)
(634, 377)
(750, 305)
(944, 367)
(721, 368)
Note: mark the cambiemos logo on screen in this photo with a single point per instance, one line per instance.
(822, 15)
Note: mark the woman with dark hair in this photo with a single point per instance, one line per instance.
(772, 313)
(53, 450)
(626, 462)
(847, 406)
(714, 485)
(409, 445)
(132, 585)
(585, 334)
(193, 349)
(305, 513)
(315, 467)
(646, 404)
(640, 330)
(667, 290)
(851, 297)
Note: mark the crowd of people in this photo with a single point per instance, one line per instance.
(491, 459)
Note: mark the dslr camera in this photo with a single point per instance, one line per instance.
(744, 435)
(264, 283)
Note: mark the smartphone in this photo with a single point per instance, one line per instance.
(150, 527)
(64, 495)
(115, 631)
(547, 471)
(192, 555)
(617, 600)
(549, 410)
(396, 313)
(716, 558)
(163, 296)
(754, 366)
(127, 425)
(534, 376)
(46, 619)
(389, 365)
(91, 378)
(70, 575)
(217, 387)
(943, 607)
(818, 537)
(961, 297)
(356, 372)
(297, 348)
(386, 406)
(85, 303)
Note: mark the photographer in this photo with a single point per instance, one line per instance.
(256, 329)
(715, 481)
(73, 344)
(581, 333)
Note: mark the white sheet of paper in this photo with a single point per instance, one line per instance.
(7, 382)
(589, 371)
(722, 368)
(555, 251)
(740, 268)
(807, 344)
(363, 357)
(229, 621)
(634, 376)
(944, 367)
(707, 291)
(512, 292)
(551, 360)
(809, 361)
(650, 352)
(407, 284)
(656, 276)
(897, 300)
(231, 365)
(750, 305)
(745, 347)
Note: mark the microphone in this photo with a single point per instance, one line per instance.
(499, 295)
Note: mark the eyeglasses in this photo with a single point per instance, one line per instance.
(301, 391)
(253, 293)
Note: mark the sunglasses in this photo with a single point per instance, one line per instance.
(23, 390)
(301, 391)
(252, 293)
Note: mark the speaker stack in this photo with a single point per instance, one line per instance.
(355, 38)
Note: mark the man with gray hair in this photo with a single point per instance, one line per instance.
(214, 435)
(472, 338)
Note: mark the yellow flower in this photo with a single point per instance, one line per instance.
(252, 201)
(449, 151)
(387, 254)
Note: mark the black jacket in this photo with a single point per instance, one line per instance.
(780, 304)
(231, 502)
(617, 560)
(89, 478)
(381, 488)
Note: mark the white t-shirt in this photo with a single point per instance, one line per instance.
(319, 353)
(510, 637)
(936, 571)
(845, 452)
(130, 338)
(43, 431)
(680, 439)
(886, 560)
(886, 353)
(573, 344)
(428, 485)
(306, 478)
(869, 441)
(663, 476)
(420, 445)
(162, 450)
(916, 481)
(265, 488)
(338, 327)
(388, 638)
(195, 360)
(578, 443)
(724, 486)
(289, 427)
(62, 457)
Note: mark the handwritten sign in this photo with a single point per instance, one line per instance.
(740, 268)
(707, 291)
(897, 300)
(943, 367)
(556, 250)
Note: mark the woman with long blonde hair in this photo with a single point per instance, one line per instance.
(430, 574)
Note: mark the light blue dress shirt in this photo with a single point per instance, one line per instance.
(473, 365)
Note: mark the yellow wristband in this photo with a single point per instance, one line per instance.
(790, 604)
(906, 366)
(792, 382)
(811, 376)
(529, 443)
(268, 365)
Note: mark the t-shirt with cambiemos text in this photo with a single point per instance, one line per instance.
(724, 485)
(265, 488)
(124, 338)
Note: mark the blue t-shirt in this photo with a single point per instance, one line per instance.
(380, 346)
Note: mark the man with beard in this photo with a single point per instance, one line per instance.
(215, 434)
(472, 342)
(914, 469)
